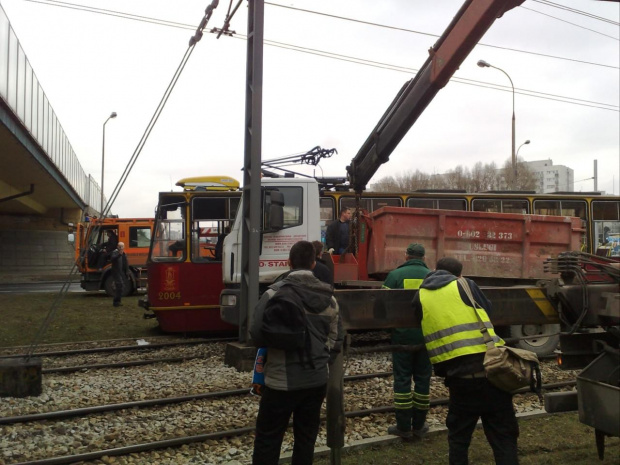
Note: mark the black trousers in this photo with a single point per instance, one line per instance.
(118, 285)
(274, 414)
(471, 399)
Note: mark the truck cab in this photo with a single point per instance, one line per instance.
(92, 258)
(298, 222)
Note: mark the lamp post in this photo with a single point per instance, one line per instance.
(112, 115)
(524, 143)
(484, 64)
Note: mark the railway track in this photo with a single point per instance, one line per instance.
(211, 425)
(101, 347)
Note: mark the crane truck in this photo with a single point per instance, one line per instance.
(581, 292)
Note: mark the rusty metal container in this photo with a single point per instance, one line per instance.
(497, 245)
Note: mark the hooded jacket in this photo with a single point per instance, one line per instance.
(464, 364)
(289, 370)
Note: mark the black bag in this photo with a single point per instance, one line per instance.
(285, 325)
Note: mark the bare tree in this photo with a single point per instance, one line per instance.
(526, 179)
(405, 182)
(458, 178)
(482, 177)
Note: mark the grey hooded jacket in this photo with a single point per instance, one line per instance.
(287, 370)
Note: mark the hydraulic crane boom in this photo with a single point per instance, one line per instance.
(466, 29)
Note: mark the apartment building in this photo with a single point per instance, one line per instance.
(552, 178)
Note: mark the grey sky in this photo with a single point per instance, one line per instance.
(92, 64)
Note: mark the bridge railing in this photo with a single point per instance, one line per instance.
(21, 91)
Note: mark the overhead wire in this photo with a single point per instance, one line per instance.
(473, 82)
(579, 12)
(162, 103)
(106, 209)
(413, 31)
(568, 22)
(356, 60)
(187, 26)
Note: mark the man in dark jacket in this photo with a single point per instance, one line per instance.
(337, 233)
(119, 271)
(295, 381)
(410, 407)
(106, 249)
(456, 349)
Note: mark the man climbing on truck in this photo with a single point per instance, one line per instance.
(337, 234)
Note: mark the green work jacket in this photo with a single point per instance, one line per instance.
(409, 275)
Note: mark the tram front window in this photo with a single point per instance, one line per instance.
(169, 243)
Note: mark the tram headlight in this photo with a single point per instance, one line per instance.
(228, 300)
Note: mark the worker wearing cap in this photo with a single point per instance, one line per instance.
(410, 407)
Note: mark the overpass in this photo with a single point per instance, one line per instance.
(43, 187)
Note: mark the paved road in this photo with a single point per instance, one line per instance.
(21, 288)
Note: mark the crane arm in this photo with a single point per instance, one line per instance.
(466, 29)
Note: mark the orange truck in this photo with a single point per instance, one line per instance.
(96, 238)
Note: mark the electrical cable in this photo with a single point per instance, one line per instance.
(568, 22)
(105, 210)
(187, 26)
(579, 12)
(361, 61)
(192, 43)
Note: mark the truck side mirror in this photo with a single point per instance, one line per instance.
(276, 210)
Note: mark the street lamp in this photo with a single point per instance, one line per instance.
(484, 64)
(112, 115)
(524, 143)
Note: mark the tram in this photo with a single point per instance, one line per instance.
(185, 258)
(185, 263)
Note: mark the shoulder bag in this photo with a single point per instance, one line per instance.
(507, 368)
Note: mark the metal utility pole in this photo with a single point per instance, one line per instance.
(101, 208)
(250, 228)
(484, 64)
(595, 175)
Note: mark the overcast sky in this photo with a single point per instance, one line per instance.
(91, 64)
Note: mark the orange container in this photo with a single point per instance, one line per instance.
(498, 245)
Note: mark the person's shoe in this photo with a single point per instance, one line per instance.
(420, 433)
(407, 435)
(118, 304)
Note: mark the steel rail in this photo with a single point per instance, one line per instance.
(95, 350)
(78, 412)
(175, 442)
(125, 364)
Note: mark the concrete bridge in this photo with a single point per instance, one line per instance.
(43, 187)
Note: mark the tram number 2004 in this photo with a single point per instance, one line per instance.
(169, 295)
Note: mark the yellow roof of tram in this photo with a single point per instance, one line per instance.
(209, 183)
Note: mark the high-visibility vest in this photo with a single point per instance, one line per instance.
(450, 327)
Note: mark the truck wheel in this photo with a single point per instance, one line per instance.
(110, 287)
(541, 346)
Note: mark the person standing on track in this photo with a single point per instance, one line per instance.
(456, 349)
(120, 267)
(296, 381)
(410, 407)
